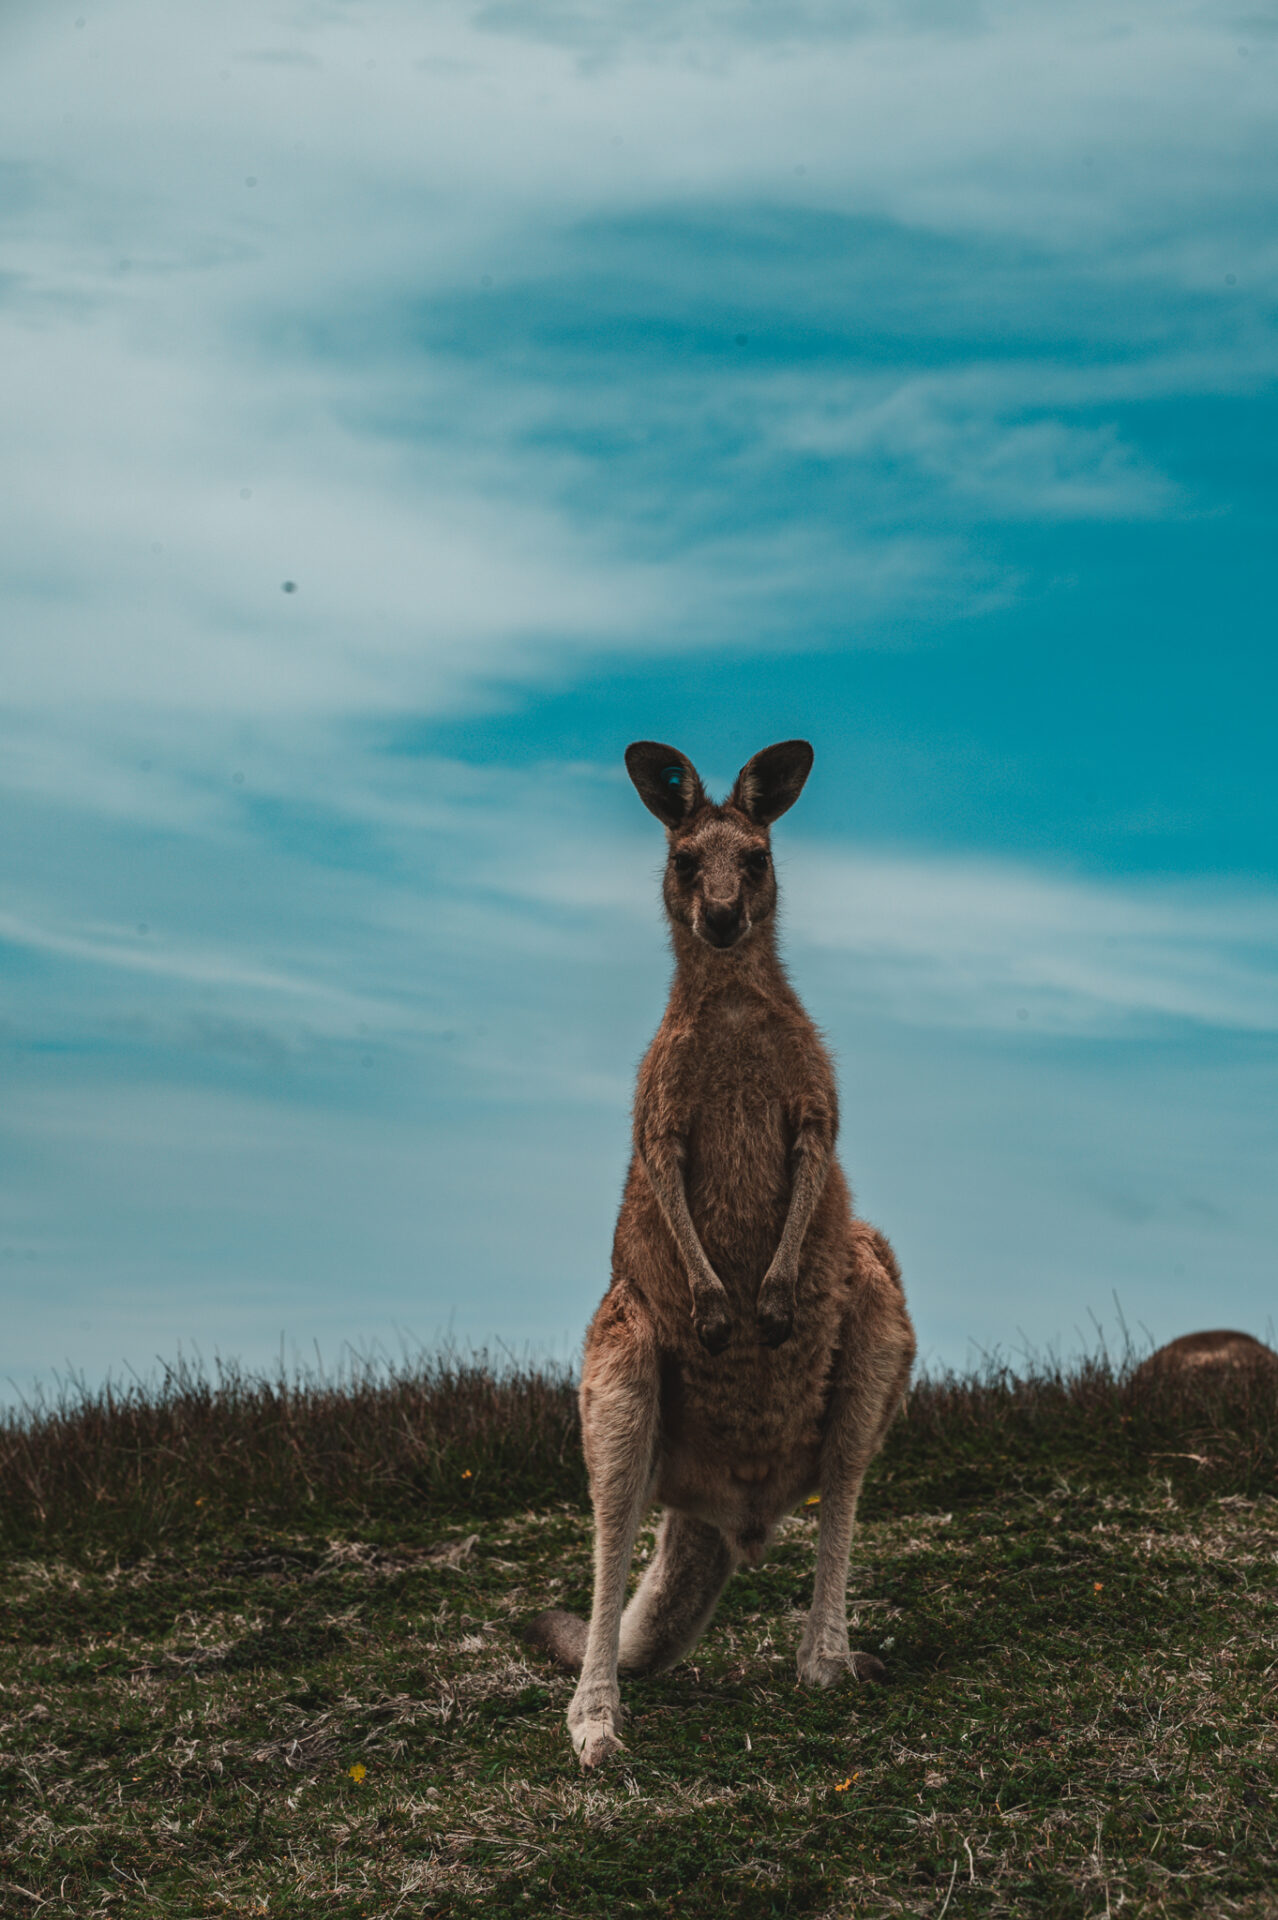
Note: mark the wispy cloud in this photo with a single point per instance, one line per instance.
(1033, 468)
(528, 878)
(951, 942)
(984, 944)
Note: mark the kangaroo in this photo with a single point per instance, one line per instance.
(1217, 1351)
(753, 1346)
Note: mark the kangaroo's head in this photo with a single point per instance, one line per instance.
(719, 881)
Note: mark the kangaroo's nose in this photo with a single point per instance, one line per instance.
(722, 923)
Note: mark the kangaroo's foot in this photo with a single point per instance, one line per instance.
(826, 1670)
(592, 1721)
(824, 1659)
(825, 1656)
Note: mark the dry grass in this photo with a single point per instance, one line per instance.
(139, 1461)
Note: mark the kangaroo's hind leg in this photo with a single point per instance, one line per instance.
(668, 1614)
(876, 1353)
(676, 1596)
(620, 1395)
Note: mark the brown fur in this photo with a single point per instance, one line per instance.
(1194, 1351)
(754, 1344)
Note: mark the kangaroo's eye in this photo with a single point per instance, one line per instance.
(684, 864)
(757, 863)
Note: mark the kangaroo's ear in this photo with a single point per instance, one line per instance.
(665, 779)
(772, 781)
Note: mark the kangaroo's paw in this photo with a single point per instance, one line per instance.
(774, 1315)
(713, 1327)
(775, 1326)
(593, 1725)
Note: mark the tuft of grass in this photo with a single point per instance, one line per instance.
(141, 1463)
(967, 1437)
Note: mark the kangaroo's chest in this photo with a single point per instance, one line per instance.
(738, 1094)
(738, 1062)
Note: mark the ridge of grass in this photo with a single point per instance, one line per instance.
(227, 1693)
(141, 1464)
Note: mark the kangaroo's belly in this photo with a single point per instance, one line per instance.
(745, 1501)
(741, 1436)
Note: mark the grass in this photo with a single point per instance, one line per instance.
(258, 1655)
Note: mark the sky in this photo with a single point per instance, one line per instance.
(403, 409)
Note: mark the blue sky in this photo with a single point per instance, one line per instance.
(406, 408)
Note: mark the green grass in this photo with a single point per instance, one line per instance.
(1081, 1628)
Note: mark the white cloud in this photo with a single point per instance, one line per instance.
(398, 158)
(984, 944)
(142, 573)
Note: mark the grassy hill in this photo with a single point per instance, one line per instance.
(258, 1656)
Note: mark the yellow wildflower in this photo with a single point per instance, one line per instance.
(358, 1771)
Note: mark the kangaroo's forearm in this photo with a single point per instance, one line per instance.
(812, 1166)
(664, 1168)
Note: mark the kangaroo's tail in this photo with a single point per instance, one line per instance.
(883, 1248)
(561, 1635)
